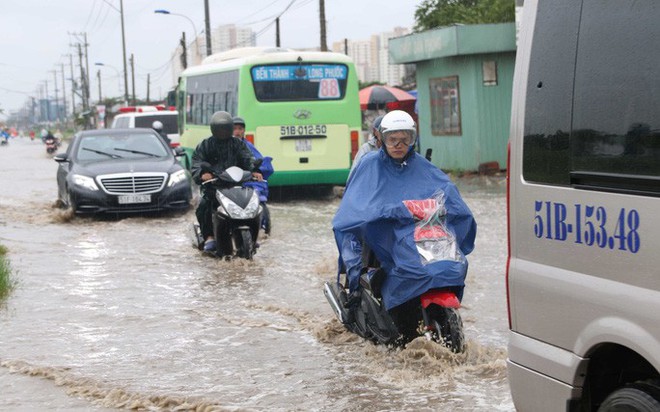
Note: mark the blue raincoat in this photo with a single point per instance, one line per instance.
(266, 170)
(372, 210)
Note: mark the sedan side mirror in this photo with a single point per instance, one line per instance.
(61, 158)
(179, 151)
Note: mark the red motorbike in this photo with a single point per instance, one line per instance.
(434, 314)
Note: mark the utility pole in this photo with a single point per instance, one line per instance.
(123, 46)
(133, 76)
(346, 46)
(86, 65)
(57, 110)
(86, 83)
(184, 60)
(324, 43)
(47, 103)
(148, 85)
(277, 32)
(85, 88)
(98, 76)
(73, 88)
(207, 28)
(63, 91)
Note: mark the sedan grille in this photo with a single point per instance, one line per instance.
(123, 183)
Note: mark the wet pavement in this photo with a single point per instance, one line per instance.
(115, 314)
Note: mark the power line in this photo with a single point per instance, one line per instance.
(89, 17)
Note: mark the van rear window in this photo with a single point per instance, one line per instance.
(169, 122)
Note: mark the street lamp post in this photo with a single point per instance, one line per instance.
(162, 11)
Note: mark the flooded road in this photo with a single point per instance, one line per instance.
(125, 314)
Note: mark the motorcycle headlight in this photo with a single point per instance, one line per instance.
(176, 177)
(235, 211)
(84, 181)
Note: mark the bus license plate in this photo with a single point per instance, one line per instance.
(303, 145)
(128, 199)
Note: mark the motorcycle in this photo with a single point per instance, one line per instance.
(434, 314)
(237, 218)
(51, 145)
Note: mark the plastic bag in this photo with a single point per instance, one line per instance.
(434, 240)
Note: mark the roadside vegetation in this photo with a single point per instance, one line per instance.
(6, 282)
(431, 14)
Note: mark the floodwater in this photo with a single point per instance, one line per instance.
(112, 314)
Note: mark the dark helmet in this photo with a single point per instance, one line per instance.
(239, 120)
(222, 125)
(377, 121)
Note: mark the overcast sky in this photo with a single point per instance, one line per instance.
(37, 35)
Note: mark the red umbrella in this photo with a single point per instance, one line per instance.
(380, 97)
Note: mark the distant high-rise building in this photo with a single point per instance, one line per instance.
(229, 36)
(371, 57)
(223, 38)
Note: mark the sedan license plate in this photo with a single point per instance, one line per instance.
(303, 145)
(128, 199)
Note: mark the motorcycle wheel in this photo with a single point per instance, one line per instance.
(247, 246)
(448, 331)
(196, 236)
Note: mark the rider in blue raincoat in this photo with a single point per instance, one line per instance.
(265, 167)
(372, 211)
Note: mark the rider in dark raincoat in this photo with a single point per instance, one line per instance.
(213, 155)
(372, 211)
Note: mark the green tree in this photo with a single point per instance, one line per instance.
(440, 13)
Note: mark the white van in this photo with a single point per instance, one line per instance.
(144, 116)
(583, 274)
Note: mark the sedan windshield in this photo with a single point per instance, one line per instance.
(125, 146)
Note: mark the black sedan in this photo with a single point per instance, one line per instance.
(121, 170)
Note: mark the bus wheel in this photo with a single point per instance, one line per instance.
(641, 396)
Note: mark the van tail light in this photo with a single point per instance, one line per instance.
(249, 137)
(354, 143)
(175, 144)
(508, 228)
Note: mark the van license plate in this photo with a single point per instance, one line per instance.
(128, 199)
(303, 145)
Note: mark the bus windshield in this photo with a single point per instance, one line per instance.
(294, 82)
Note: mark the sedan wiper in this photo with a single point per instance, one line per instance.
(114, 156)
(136, 152)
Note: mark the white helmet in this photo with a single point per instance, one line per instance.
(157, 125)
(397, 120)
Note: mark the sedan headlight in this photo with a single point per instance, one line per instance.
(177, 177)
(84, 181)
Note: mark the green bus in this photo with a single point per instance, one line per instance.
(300, 107)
